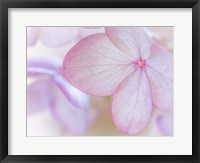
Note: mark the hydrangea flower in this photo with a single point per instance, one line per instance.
(49, 89)
(125, 63)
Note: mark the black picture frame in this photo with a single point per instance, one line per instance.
(4, 67)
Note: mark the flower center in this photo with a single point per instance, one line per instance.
(140, 63)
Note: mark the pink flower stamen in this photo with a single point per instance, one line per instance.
(140, 63)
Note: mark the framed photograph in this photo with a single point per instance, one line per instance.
(99, 81)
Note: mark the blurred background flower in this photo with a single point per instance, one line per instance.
(51, 36)
(47, 89)
(55, 108)
(165, 124)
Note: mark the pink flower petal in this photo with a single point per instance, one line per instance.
(160, 74)
(134, 41)
(132, 104)
(32, 35)
(58, 36)
(39, 96)
(96, 66)
(162, 90)
(165, 124)
(161, 60)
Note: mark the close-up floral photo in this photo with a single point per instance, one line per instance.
(100, 81)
